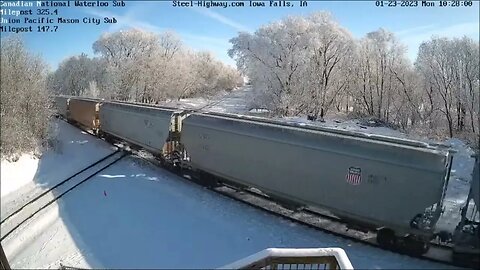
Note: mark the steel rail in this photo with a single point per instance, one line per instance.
(57, 185)
(124, 154)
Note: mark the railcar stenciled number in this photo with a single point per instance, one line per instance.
(148, 123)
(204, 136)
(376, 179)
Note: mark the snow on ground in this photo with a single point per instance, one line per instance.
(30, 176)
(12, 178)
(136, 215)
(226, 102)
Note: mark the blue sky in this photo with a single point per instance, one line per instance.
(210, 29)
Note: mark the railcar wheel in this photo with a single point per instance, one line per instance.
(386, 238)
(207, 180)
(416, 246)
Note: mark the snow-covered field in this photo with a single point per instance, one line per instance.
(136, 215)
(227, 102)
(17, 178)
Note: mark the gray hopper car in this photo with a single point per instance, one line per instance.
(145, 126)
(379, 183)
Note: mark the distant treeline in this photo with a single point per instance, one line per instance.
(131, 65)
(140, 66)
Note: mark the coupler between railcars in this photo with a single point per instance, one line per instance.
(416, 241)
(174, 155)
(175, 158)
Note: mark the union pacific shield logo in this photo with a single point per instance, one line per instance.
(354, 176)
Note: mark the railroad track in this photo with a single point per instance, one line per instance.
(437, 253)
(308, 217)
(328, 224)
(21, 215)
(56, 186)
(324, 214)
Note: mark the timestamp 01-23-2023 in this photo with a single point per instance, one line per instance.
(414, 3)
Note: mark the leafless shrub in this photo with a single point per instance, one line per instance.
(25, 104)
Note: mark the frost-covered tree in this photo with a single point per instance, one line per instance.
(272, 58)
(24, 102)
(449, 69)
(382, 63)
(296, 64)
(467, 83)
(128, 55)
(74, 75)
(437, 69)
(147, 67)
(329, 59)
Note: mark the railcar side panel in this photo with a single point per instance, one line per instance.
(371, 181)
(145, 126)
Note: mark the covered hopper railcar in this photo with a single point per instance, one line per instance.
(391, 183)
(145, 126)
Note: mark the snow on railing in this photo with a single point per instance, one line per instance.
(288, 258)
